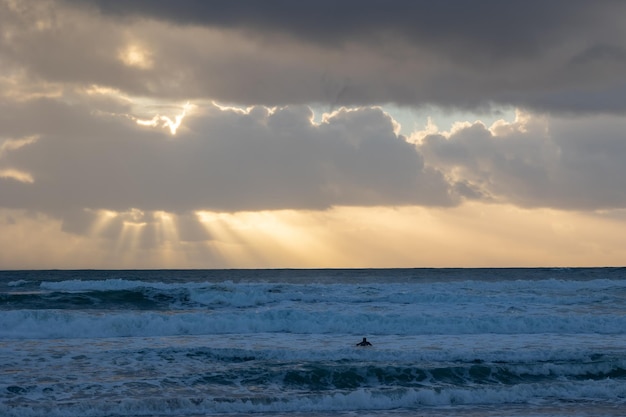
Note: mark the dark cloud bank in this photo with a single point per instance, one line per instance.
(494, 28)
(556, 55)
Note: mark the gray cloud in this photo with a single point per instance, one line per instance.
(494, 28)
(222, 160)
(230, 160)
(557, 56)
(559, 163)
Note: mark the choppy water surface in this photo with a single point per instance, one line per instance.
(476, 342)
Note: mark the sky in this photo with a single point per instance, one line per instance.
(312, 134)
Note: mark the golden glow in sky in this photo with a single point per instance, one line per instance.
(472, 235)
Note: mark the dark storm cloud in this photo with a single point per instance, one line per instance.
(474, 33)
(502, 28)
(556, 55)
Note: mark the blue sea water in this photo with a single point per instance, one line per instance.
(446, 342)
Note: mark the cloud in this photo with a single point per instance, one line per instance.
(90, 150)
(496, 28)
(537, 161)
(558, 56)
(221, 159)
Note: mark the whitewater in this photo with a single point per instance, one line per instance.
(446, 342)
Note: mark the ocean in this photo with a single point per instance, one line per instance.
(445, 342)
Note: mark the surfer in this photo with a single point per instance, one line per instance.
(364, 342)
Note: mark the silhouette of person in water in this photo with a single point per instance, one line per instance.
(364, 342)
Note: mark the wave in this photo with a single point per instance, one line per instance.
(119, 307)
(550, 351)
(121, 294)
(43, 324)
(372, 399)
(117, 344)
(18, 283)
(534, 286)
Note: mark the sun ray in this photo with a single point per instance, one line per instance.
(165, 227)
(102, 220)
(167, 237)
(229, 239)
(259, 238)
(128, 240)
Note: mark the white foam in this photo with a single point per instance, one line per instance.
(466, 297)
(415, 399)
(39, 324)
